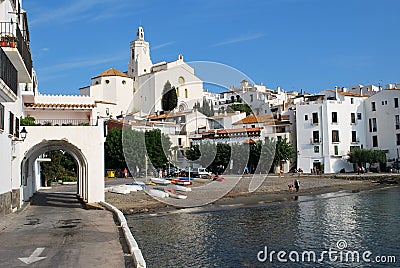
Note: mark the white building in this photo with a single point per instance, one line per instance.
(67, 123)
(15, 74)
(328, 126)
(112, 91)
(383, 123)
(149, 79)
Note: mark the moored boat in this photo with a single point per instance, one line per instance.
(175, 194)
(180, 188)
(158, 193)
(160, 181)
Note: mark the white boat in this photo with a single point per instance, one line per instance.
(133, 187)
(160, 181)
(180, 188)
(158, 193)
(119, 190)
(175, 194)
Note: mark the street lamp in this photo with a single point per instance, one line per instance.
(23, 133)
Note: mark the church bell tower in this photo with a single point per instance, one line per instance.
(140, 62)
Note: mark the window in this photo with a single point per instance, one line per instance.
(123, 82)
(359, 116)
(306, 117)
(316, 136)
(335, 135)
(11, 122)
(374, 125)
(16, 127)
(1, 116)
(352, 100)
(354, 136)
(107, 81)
(336, 149)
(398, 139)
(316, 149)
(353, 118)
(186, 93)
(251, 98)
(253, 126)
(396, 102)
(373, 107)
(180, 141)
(374, 141)
(315, 118)
(397, 119)
(334, 117)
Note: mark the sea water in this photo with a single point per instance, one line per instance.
(328, 230)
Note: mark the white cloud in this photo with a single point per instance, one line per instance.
(76, 10)
(82, 63)
(240, 39)
(162, 45)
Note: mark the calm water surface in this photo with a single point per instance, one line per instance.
(232, 237)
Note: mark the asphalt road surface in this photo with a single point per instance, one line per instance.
(55, 231)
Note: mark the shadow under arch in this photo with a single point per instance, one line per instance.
(31, 183)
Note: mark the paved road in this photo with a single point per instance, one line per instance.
(56, 226)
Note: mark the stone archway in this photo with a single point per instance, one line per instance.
(29, 180)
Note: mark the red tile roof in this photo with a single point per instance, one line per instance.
(112, 72)
(251, 119)
(59, 105)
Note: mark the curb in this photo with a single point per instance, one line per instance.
(137, 256)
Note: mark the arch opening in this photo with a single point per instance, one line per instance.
(30, 167)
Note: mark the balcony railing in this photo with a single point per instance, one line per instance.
(8, 73)
(315, 141)
(11, 36)
(63, 122)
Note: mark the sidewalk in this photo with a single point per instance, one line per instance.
(55, 231)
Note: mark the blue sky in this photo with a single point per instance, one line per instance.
(295, 44)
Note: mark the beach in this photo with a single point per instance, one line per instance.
(273, 189)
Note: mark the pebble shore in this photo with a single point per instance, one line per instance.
(273, 188)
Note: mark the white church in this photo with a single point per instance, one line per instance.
(140, 89)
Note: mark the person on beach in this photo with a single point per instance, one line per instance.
(297, 185)
(126, 173)
(281, 172)
(358, 170)
(291, 188)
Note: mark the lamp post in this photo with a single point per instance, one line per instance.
(23, 133)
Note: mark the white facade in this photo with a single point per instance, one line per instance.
(149, 79)
(328, 125)
(383, 123)
(112, 91)
(16, 73)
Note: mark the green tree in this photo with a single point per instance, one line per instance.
(193, 153)
(241, 107)
(113, 152)
(363, 156)
(27, 121)
(284, 151)
(206, 108)
(156, 144)
(61, 167)
(169, 99)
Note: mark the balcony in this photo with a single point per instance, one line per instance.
(315, 141)
(8, 79)
(355, 141)
(17, 50)
(30, 121)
